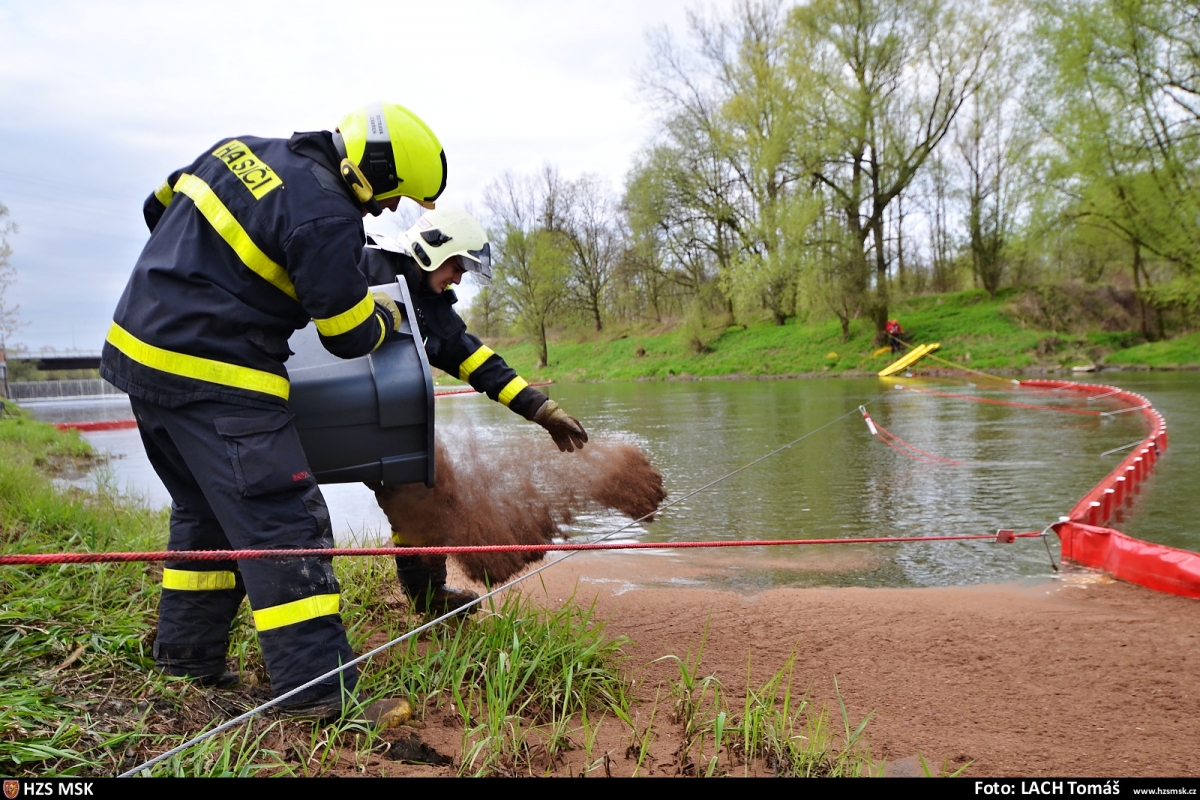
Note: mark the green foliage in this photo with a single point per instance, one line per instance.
(1008, 332)
(63, 627)
(838, 156)
(1181, 352)
(1122, 106)
(26, 370)
(532, 255)
(1181, 295)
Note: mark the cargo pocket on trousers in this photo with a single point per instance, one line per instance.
(265, 452)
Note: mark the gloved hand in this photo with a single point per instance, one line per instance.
(567, 432)
(385, 300)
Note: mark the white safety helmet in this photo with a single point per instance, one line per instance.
(446, 232)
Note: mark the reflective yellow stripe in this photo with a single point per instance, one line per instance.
(321, 605)
(347, 320)
(165, 194)
(382, 335)
(474, 361)
(201, 369)
(234, 234)
(190, 581)
(412, 539)
(513, 388)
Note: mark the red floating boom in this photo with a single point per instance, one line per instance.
(1086, 540)
(101, 425)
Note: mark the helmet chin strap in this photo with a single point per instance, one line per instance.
(354, 178)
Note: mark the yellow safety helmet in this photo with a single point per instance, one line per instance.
(388, 151)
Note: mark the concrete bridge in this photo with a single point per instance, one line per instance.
(49, 358)
(46, 359)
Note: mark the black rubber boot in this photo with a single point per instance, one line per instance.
(225, 680)
(424, 581)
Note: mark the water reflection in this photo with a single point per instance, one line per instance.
(354, 514)
(1021, 468)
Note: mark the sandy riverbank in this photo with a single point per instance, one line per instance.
(1079, 676)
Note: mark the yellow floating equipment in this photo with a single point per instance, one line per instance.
(909, 358)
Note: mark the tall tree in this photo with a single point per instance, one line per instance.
(995, 141)
(678, 211)
(887, 80)
(727, 158)
(486, 314)
(590, 226)
(641, 284)
(937, 199)
(531, 252)
(833, 278)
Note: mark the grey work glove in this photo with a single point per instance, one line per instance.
(568, 434)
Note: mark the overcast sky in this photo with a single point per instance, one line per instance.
(99, 101)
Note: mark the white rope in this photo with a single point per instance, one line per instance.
(1122, 447)
(1123, 410)
(276, 701)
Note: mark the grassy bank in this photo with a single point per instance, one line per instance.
(1182, 352)
(521, 689)
(1001, 334)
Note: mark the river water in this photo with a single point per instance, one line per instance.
(1021, 469)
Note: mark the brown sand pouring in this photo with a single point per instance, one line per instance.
(491, 498)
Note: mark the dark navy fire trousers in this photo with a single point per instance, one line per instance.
(239, 479)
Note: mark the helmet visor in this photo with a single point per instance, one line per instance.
(479, 262)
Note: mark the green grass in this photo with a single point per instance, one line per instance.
(526, 685)
(974, 330)
(65, 628)
(776, 731)
(1173, 353)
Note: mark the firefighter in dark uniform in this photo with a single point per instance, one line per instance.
(248, 243)
(444, 244)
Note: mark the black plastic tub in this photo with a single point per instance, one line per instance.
(368, 418)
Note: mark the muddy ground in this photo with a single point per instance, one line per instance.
(1082, 676)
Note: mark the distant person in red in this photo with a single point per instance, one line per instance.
(895, 334)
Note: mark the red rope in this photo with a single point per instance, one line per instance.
(917, 453)
(97, 425)
(923, 455)
(238, 555)
(973, 399)
(469, 390)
